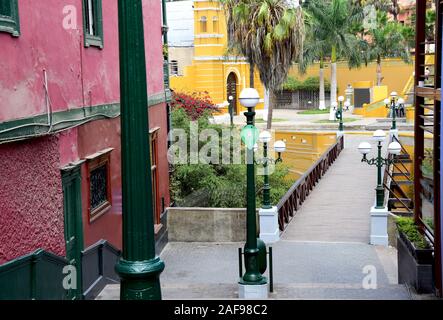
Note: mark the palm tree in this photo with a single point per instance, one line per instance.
(270, 34)
(332, 35)
(386, 40)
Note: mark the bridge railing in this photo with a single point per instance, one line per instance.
(297, 194)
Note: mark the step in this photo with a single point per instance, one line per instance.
(401, 174)
(403, 182)
(404, 200)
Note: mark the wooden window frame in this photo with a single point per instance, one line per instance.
(95, 40)
(11, 24)
(93, 162)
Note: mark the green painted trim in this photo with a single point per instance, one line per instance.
(98, 39)
(11, 24)
(38, 125)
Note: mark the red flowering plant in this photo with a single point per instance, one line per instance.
(195, 104)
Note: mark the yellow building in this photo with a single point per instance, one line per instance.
(205, 65)
(213, 70)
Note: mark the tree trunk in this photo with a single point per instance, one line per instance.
(322, 103)
(379, 75)
(272, 102)
(333, 81)
(251, 76)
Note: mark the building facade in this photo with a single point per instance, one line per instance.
(60, 172)
(205, 43)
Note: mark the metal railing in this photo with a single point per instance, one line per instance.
(300, 190)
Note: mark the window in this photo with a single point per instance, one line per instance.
(203, 24)
(154, 175)
(9, 20)
(99, 184)
(93, 23)
(174, 67)
(215, 24)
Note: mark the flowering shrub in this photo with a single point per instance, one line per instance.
(195, 104)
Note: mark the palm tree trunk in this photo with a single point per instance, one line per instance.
(251, 76)
(379, 75)
(322, 104)
(272, 102)
(333, 81)
(334, 74)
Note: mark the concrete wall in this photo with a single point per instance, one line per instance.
(206, 224)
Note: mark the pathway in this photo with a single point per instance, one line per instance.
(322, 255)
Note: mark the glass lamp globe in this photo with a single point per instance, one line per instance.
(401, 101)
(341, 99)
(394, 148)
(249, 97)
(394, 94)
(280, 146)
(364, 148)
(347, 104)
(265, 137)
(387, 101)
(379, 135)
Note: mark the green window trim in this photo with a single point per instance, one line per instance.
(10, 23)
(96, 38)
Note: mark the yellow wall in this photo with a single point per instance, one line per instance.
(396, 73)
(303, 149)
(211, 65)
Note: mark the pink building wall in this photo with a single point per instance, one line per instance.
(31, 198)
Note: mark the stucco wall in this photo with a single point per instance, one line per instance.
(31, 198)
(207, 224)
(77, 76)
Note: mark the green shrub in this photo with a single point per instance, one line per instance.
(310, 84)
(410, 229)
(218, 185)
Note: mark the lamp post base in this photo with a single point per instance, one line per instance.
(269, 229)
(140, 280)
(253, 291)
(379, 226)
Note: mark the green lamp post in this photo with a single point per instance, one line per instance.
(249, 98)
(279, 147)
(340, 110)
(394, 148)
(392, 105)
(139, 268)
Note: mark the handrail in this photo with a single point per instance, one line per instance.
(299, 191)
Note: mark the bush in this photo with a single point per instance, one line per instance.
(195, 104)
(411, 231)
(217, 185)
(310, 84)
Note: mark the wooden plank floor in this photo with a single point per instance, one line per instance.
(337, 210)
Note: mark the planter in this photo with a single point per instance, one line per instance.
(415, 266)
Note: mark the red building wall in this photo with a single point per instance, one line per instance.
(31, 198)
(77, 77)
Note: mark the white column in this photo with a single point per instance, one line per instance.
(269, 230)
(379, 226)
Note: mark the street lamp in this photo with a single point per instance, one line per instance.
(339, 112)
(249, 98)
(392, 105)
(394, 148)
(139, 268)
(280, 147)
